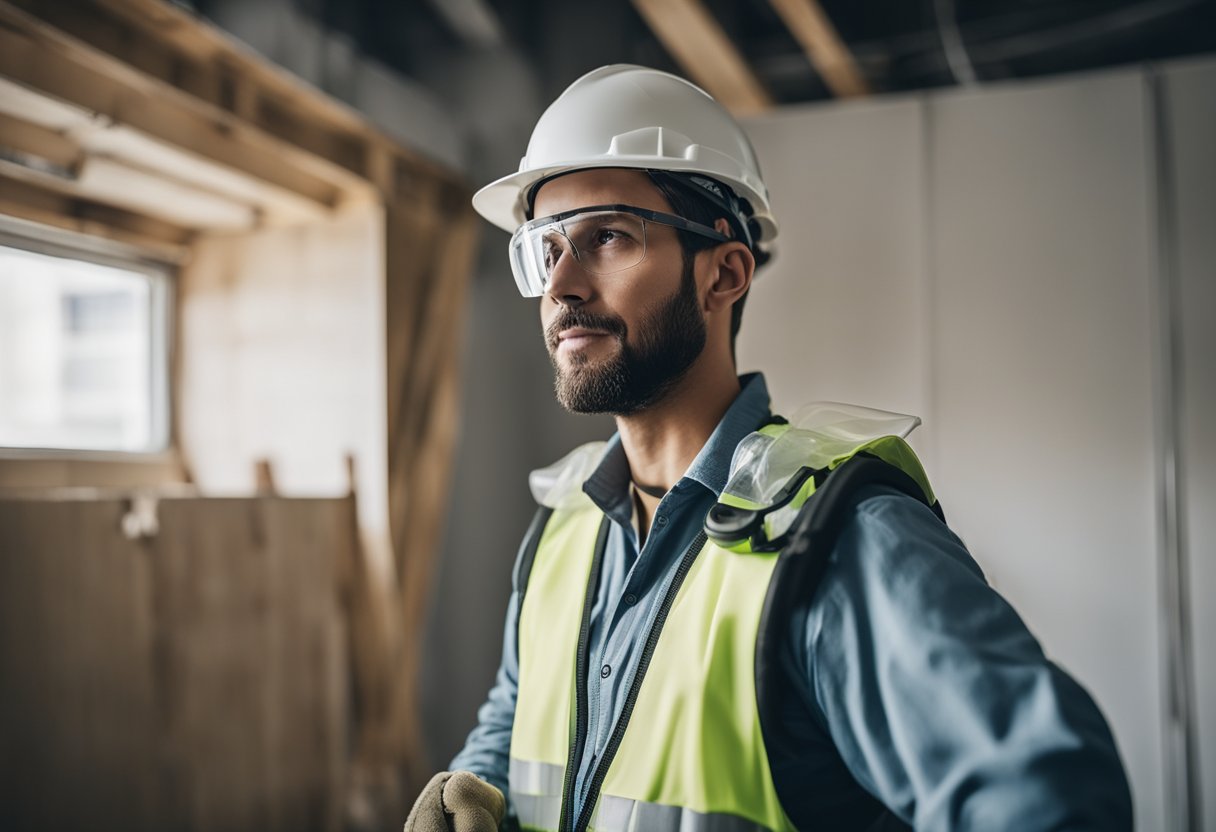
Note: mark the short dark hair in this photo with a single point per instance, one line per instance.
(688, 205)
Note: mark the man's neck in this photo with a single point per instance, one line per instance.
(662, 441)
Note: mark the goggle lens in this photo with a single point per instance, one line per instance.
(601, 242)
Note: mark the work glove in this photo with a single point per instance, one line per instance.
(457, 801)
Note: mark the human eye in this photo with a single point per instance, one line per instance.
(610, 233)
(552, 252)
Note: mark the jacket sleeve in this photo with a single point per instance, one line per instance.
(937, 697)
(487, 749)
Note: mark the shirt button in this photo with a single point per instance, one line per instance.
(631, 599)
(660, 519)
(605, 671)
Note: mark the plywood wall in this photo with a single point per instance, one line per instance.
(192, 678)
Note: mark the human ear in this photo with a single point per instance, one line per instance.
(732, 267)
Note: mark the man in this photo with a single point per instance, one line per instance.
(802, 647)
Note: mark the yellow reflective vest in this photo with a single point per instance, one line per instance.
(689, 751)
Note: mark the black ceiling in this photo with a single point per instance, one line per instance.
(898, 44)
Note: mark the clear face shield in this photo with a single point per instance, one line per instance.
(602, 239)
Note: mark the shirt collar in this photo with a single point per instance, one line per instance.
(608, 485)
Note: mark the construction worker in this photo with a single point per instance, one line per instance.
(722, 619)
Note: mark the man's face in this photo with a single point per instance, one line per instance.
(619, 342)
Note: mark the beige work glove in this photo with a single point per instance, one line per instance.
(457, 801)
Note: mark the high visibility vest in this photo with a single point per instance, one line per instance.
(691, 749)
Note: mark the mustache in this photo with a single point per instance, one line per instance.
(610, 324)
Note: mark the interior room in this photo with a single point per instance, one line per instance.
(270, 396)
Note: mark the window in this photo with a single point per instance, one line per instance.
(83, 350)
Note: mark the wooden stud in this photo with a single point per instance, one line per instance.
(812, 28)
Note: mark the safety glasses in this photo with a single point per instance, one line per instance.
(602, 239)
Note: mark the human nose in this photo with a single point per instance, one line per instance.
(569, 283)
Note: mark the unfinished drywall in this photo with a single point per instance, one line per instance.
(282, 344)
(990, 260)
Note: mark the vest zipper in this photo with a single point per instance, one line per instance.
(580, 677)
(600, 770)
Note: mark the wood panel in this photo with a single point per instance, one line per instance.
(77, 720)
(190, 679)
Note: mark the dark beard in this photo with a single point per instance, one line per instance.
(669, 340)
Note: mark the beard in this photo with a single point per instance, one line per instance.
(670, 338)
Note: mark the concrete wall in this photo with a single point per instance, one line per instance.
(987, 259)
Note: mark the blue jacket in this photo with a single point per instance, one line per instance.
(917, 683)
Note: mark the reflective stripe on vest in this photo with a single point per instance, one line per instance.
(536, 793)
(620, 814)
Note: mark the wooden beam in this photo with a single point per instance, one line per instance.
(209, 63)
(38, 56)
(811, 27)
(100, 139)
(27, 201)
(131, 185)
(702, 48)
(34, 144)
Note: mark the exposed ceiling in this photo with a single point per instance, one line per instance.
(895, 45)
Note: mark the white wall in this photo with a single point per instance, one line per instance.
(987, 259)
(1190, 101)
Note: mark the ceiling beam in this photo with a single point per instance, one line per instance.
(213, 96)
(28, 201)
(811, 27)
(36, 146)
(40, 57)
(699, 45)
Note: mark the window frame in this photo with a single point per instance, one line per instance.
(163, 274)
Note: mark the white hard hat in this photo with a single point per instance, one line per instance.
(625, 116)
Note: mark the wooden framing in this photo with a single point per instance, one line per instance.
(812, 28)
(230, 85)
(128, 76)
(29, 201)
(49, 147)
(38, 56)
(699, 44)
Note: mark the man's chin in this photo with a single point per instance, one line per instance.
(589, 389)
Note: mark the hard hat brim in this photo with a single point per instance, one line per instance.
(503, 202)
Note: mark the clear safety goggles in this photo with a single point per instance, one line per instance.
(602, 239)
